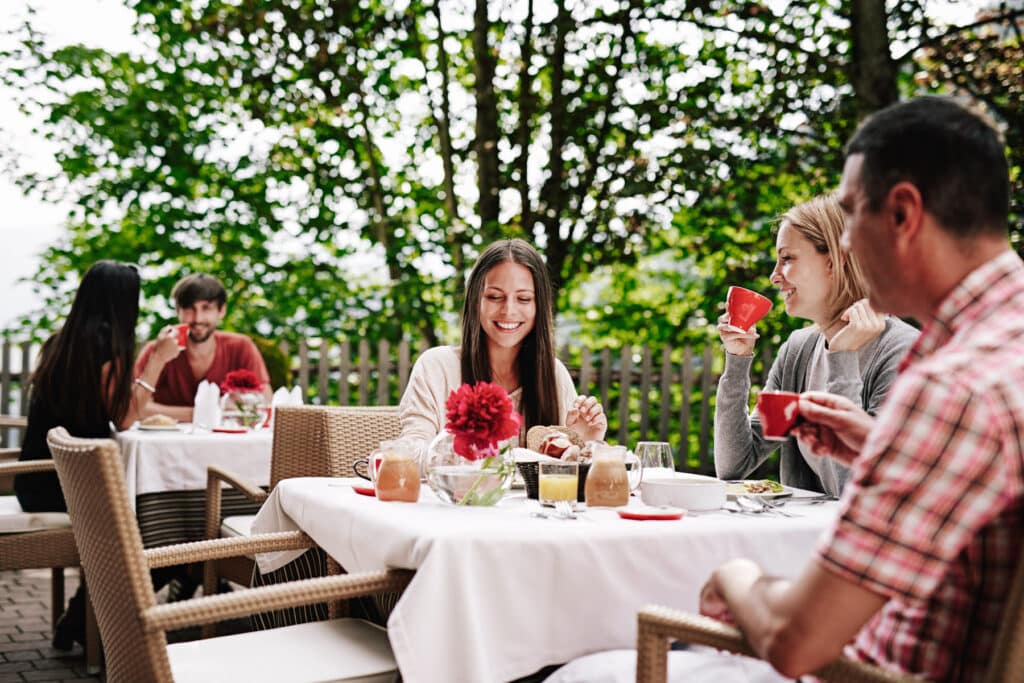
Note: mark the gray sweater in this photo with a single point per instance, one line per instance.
(863, 376)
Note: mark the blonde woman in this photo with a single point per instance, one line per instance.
(850, 350)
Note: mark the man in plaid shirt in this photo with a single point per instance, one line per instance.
(914, 573)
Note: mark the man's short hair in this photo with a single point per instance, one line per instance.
(198, 287)
(953, 156)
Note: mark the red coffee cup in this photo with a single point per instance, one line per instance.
(779, 411)
(746, 307)
(182, 335)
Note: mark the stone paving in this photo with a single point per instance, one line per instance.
(25, 630)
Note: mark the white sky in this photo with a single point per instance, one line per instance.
(27, 224)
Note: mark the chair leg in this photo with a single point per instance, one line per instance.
(336, 609)
(93, 646)
(56, 595)
(651, 654)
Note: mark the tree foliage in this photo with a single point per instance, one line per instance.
(340, 164)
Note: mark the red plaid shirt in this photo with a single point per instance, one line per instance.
(934, 514)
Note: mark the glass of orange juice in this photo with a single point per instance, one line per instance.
(558, 481)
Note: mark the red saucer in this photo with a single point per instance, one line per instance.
(652, 513)
(230, 430)
(365, 490)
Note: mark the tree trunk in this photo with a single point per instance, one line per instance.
(873, 70)
(525, 114)
(486, 120)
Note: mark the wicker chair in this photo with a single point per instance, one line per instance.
(133, 625)
(309, 441)
(657, 626)
(42, 541)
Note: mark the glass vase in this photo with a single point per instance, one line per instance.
(461, 481)
(243, 408)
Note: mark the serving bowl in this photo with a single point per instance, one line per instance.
(696, 493)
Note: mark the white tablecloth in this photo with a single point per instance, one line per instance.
(177, 461)
(498, 594)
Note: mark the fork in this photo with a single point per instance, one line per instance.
(564, 510)
(761, 505)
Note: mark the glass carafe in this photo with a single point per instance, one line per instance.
(607, 482)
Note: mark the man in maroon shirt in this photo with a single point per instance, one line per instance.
(209, 354)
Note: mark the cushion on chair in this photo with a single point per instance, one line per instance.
(348, 650)
(14, 520)
(237, 525)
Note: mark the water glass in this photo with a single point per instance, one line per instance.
(558, 482)
(656, 459)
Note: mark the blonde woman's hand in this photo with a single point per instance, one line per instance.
(736, 341)
(863, 324)
(165, 347)
(586, 417)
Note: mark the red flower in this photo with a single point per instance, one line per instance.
(480, 416)
(241, 381)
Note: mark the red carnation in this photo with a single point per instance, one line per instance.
(480, 416)
(241, 381)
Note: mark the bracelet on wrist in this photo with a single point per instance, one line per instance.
(145, 385)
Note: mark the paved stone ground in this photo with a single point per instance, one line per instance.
(25, 631)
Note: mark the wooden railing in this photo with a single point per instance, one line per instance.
(664, 394)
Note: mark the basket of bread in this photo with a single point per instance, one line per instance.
(554, 442)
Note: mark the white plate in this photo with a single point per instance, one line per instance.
(159, 428)
(735, 488)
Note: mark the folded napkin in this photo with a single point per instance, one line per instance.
(284, 397)
(206, 409)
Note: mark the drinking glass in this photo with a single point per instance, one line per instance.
(656, 459)
(558, 481)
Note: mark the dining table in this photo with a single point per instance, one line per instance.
(165, 470)
(501, 592)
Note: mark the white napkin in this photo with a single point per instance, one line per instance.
(206, 411)
(284, 397)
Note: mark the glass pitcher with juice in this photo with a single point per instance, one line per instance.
(398, 475)
(607, 483)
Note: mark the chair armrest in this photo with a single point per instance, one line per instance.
(8, 469)
(208, 610)
(219, 548)
(658, 625)
(215, 475)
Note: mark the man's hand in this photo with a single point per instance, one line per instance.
(165, 347)
(735, 576)
(736, 341)
(863, 324)
(586, 417)
(832, 425)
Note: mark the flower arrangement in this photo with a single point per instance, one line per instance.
(243, 391)
(479, 417)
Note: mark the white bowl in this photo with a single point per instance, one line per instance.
(690, 493)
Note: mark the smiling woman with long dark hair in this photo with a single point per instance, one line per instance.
(508, 339)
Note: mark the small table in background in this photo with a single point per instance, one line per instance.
(166, 476)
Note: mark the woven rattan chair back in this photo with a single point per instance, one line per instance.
(324, 441)
(92, 476)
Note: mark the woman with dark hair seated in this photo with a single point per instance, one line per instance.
(83, 382)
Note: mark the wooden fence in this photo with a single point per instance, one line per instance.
(664, 394)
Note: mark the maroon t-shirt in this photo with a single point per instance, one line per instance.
(177, 385)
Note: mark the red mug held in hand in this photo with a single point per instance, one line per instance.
(182, 335)
(779, 412)
(746, 307)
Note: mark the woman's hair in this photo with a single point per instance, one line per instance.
(99, 328)
(536, 359)
(821, 221)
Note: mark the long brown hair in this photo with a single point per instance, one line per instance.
(535, 362)
(99, 328)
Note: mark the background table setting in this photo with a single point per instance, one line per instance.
(165, 471)
(503, 591)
